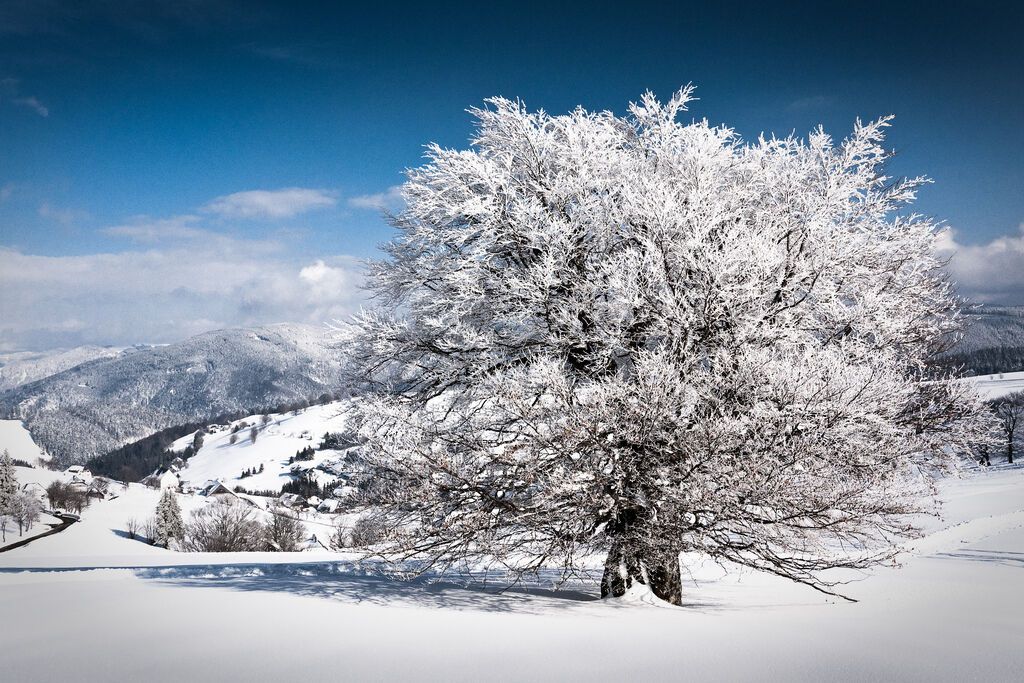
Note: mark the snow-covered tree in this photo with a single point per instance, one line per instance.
(168, 524)
(637, 336)
(8, 482)
(24, 510)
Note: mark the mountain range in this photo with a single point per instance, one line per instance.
(108, 401)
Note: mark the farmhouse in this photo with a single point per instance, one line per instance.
(163, 480)
(328, 505)
(217, 491)
(292, 500)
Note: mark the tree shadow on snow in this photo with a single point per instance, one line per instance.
(1006, 558)
(365, 583)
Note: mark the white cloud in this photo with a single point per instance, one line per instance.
(389, 200)
(988, 273)
(9, 89)
(146, 230)
(6, 191)
(283, 203)
(162, 295)
(34, 104)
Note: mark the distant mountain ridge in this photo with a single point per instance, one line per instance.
(993, 326)
(106, 402)
(993, 341)
(28, 366)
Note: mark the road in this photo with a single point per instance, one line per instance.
(65, 521)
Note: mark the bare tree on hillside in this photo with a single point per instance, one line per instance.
(1009, 410)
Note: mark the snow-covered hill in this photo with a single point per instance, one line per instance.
(23, 367)
(94, 407)
(277, 440)
(993, 326)
(993, 342)
(17, 441)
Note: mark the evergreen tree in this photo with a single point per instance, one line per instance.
(8, 483)
(168, 522)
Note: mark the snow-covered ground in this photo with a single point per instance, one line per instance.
(101, 538)
(91, 604)
(275, 443)
(994, 386)
(18, 442)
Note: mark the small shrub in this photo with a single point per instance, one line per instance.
(223, 527)
(284, 532)
(151, 531)
(367, 531)
(341, 538)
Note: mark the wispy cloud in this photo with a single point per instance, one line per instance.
(66, 217)
(389, 200)
(6, 191)
(147, 230)
(34, 104)
(10, 88)
(988, 273)
(283, 203)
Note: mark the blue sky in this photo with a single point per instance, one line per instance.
(169, 167)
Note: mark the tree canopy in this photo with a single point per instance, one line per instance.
(638, 336)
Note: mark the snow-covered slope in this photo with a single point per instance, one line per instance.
(276, 442)
(992, 326)
(23, 367)
(91, 408)
(951, 612)
(994, 341)
(994, 386)
(17, 441)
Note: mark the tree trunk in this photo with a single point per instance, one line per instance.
(627, 565)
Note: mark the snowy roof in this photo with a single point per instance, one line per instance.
(328, 505)
(215, 487)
